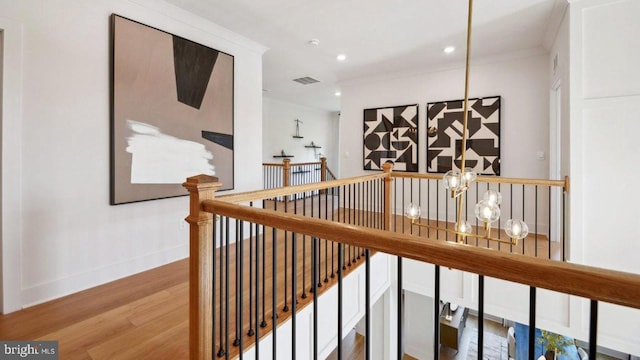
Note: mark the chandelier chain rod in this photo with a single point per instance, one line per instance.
(465, 115)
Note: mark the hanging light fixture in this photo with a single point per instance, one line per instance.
(458, 181)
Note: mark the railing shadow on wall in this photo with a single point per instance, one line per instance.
(337, 229)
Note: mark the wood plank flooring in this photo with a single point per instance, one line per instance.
(130, 318)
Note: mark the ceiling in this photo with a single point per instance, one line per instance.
(378, 36)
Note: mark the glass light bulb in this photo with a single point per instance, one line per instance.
(469, 176)
(493, 196)
(452, 180)
(487, 211)
(412, 211)
(464, 227)
(516, 229)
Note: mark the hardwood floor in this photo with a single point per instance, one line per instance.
(137, 317)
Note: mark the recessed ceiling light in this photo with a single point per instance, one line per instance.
(341, 57)
(338, 93)
(314, 42)
(449, 49)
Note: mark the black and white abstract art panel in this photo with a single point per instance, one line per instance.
(391, 134)
(444, 135)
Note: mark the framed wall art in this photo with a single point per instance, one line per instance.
(391, 134)
(444, 135)
(171, 112)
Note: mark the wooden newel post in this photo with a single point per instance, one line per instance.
(387, 167)
(201, 252)
(323, 169)
(286, 172)
(323, 172)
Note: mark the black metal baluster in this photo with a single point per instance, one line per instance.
(436, 315)
(532, 322)
(213, 283)
(499, 224)
(257, 303)
(367, 304)
(250, 332)
(403, 220)
(333, 245)
(535, 221)
(226, 290)
(488, 245)
(285, 308)
(340, 294)
(349, 246)
(344, 220)
(438, 209)
(446, 214)
(319, 252)
(593, 329)
(314, 270)
(304, 252)
(360, 215)
(294, 291)
(395, 218)
(264, 272)
(400, 314)
(274, 283)
(549, 225)
(420, 204)
(525, 239)
(564, 194)
(511, 213)
(428, 208)
(238, 326)
(410, 201)
(221, 304)
(480, 316)
(477, 224)
(326, 242)
(240, 296)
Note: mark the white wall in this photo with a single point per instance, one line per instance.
(605, 118)
(69, 237)
(521, 79)
(278, 128)
(418, 325)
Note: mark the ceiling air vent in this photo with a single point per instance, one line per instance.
(306, 80)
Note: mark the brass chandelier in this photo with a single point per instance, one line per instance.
(457, 182)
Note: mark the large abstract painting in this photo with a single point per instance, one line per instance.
(444, 135)
(391, 134)
(171, 115)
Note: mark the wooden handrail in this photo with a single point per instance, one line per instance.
(292, 164)
(306, 163)
(331, 173)
(610, 286)
(291, 190)
(491, 179)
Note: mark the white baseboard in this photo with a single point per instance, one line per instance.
(82, 281)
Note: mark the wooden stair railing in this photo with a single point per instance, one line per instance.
(286, 173)
(593, 283)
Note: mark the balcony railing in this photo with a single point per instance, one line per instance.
(286, 173)
(256, 261)
(539, 202)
